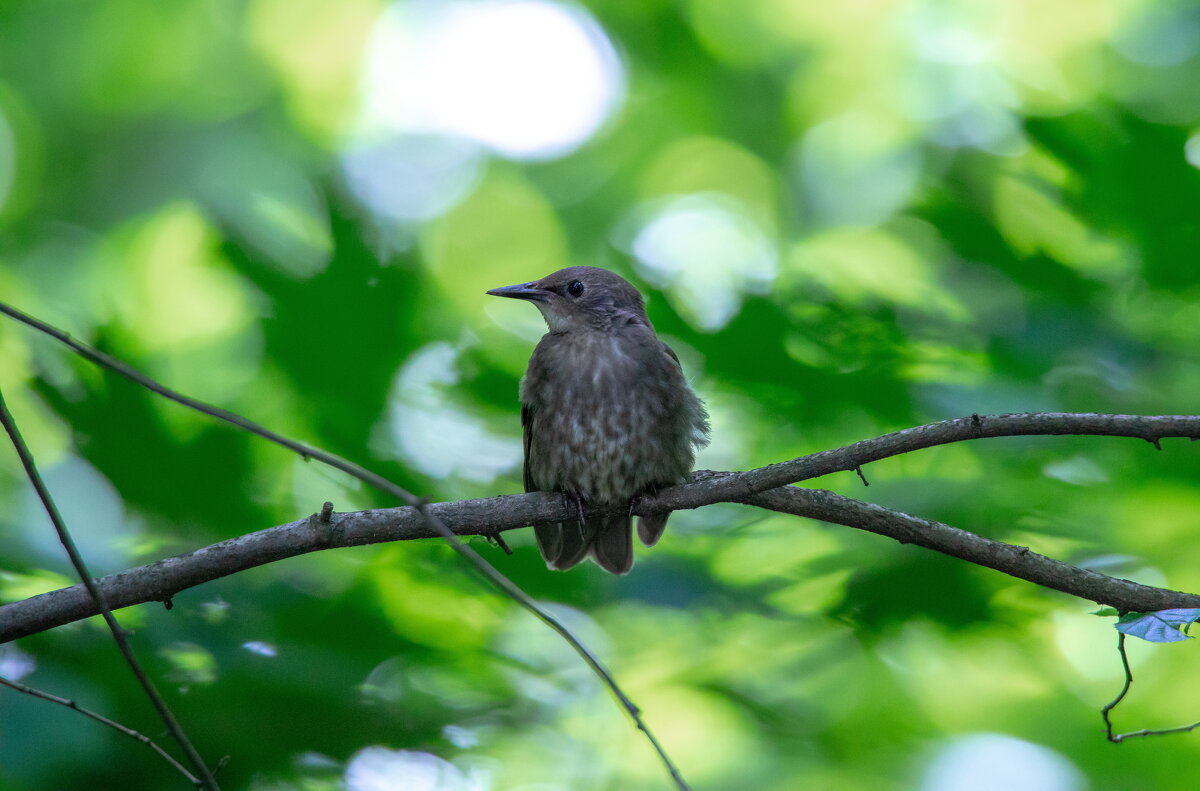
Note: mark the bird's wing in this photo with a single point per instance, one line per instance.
(562, 544)
(527, 425)
(671, 353)
(639, 328)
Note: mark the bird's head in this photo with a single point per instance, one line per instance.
(579, 297)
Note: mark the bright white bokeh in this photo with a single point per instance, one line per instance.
(261, 648)
(15, 664)
(460, 737)
(93, 511)
(957, 87)
(527, 79)
(381, 769)
(412, 177)
(1191, 151)
(995, 762)
(428, 431)
(706, 251)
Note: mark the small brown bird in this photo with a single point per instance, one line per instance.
(607, 414)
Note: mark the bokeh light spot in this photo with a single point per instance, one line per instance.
(706, 251)
(1165, 34)
(1191, 151)
(412, 177)
(15, 664)
(528, 79)
(258, 192)
(190, 663)
(857, 169)
(994, 762)
(90, 505)
(435, 436)
(381, 769)
(865, 266)
(261, 648)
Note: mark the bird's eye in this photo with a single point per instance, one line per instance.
(575, 288)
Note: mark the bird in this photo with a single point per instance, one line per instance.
(606, 412)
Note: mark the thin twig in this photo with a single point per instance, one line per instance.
(497, 579)
(118, 727)
(1117, 738)
(500, 542)
(1108, 726)
(64, 536)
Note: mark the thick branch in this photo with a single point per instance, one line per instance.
(1015, 561)
(736, 486)
(161, 580)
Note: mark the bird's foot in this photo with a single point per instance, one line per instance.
(577, 500)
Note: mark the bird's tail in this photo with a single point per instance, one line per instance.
(608, 540)
(651, 527)
(612, 546)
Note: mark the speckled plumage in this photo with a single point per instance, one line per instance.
(607, 413)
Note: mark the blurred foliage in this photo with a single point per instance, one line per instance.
(849, 218)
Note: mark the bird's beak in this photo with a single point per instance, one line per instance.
(528, 291)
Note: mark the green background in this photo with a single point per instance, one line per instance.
(901, 211)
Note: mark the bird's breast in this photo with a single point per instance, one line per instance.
(604, 422)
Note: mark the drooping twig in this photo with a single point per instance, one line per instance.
(1108, 726)
(861, 477)
(498, 580)
(1117, 738)
(116, 726)
(199, 769)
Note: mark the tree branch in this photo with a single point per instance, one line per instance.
(737, 486)
(1016, 561)
(100, 718)
(1106, 712)
(161, 580)
(199, 768)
